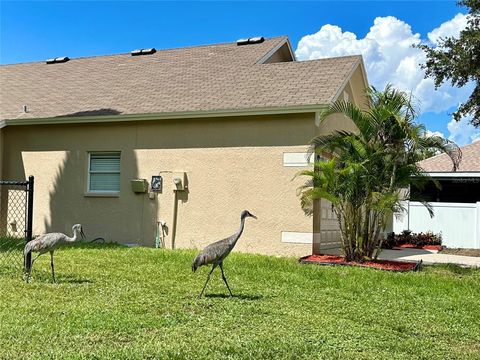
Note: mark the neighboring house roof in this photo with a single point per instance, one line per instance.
(223, 77)
(442, 163)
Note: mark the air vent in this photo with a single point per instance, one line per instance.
(252, 40)
(256, 40)
(143, 52)
(242, 42)
(58, 60)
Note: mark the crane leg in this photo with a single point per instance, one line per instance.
(29, 272)
(225, 279)
(51, 264)
(208, 278)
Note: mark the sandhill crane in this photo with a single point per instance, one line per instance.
(48, 243)
(217, 252)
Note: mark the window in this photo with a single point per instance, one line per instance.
(104, 172)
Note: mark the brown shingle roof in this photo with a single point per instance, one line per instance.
(220, 77)
(442, 163)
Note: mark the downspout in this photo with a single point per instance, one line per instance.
(178, 181)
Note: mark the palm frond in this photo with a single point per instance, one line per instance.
(354, 113)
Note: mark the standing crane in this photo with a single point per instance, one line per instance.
(217, 252)
(48, 243)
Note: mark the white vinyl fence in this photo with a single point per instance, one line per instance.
(459, 223)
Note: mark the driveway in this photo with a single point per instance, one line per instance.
(428, 256)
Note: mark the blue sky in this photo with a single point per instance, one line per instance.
(32, 31)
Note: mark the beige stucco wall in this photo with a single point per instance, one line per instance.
(231, 164)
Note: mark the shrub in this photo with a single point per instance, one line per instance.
(428, 238)
(407, 237)
(390, 241)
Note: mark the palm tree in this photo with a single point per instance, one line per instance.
(368, 171)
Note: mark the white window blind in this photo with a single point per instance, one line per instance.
(104, 172)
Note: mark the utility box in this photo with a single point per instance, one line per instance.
(156, 183)
(179, 181)
(139, 186)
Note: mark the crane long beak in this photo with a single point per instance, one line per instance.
(253, 216)
(82, 234)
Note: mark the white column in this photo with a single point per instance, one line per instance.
(401, 219)
(477, 226)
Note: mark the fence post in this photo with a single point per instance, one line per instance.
(477, 226)
(29, 230)
(401, 220)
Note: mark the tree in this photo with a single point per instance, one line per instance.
(367, 171)
(459, 61)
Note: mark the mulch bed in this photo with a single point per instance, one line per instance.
(388, 265)
(424, 247)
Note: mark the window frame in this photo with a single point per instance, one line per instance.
(89, 191)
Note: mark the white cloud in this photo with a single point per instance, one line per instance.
(462, 132)
(390, 58)
(448, 29)
(434, 133)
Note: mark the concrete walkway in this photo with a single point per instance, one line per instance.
(428, 257)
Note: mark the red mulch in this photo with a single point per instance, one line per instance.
(377, 264)
(424, 247)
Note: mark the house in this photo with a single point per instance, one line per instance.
(184, 137)
(456, 202)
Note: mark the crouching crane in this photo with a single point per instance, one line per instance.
(48, 243)
(217, 252)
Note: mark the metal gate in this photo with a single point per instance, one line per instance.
(16, 220)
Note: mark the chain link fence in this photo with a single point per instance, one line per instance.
(16, 201)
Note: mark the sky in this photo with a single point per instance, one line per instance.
(382, 31)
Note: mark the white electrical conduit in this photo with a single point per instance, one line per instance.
(160, 235)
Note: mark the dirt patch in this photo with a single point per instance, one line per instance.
(377, 264)
(463, 252)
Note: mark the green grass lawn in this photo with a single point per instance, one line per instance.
(138, 303)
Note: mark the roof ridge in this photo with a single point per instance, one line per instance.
(332, 57)
(476, 143)
(358, 57)
(158, 50)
